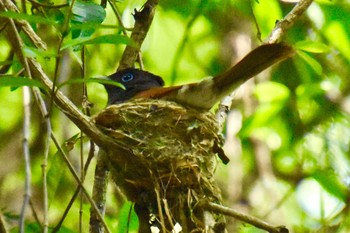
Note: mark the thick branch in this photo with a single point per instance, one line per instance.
(143, 20)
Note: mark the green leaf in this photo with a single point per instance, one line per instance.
(315, 65)
(86, 12)
(55, 173)
(127, 217)
(12, 81)
(92, 80)
(264, 114)
(26, 17)
(330, 182)
(104, 39)
(312, 46)
(271, 91)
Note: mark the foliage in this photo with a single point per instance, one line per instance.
(287, 135)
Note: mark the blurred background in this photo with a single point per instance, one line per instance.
(287, 134)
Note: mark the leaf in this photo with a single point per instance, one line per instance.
(271, 91)
(26, 17)
(13, 81)
(312, 46)
(127, 217)
(92, 80)
(315, 65)
(330, 182)
(55, 171)
(34, 52)
(86, 12)
(104, 39)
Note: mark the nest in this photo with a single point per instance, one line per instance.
(174, 150)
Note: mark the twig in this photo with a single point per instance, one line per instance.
(12, 32)
(258, 32)
(76, 177)
(288, 21)
(28, 30)
(17, 43)
(40, 102)
(40, 4)
(3, 225)
(59, 52)
(243, 217)
(77, 190)
(35, 215)
(275, 36)
(26, 133)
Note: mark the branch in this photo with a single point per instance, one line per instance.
(243, 217)
(67, 107)
(28, 30)
(288, 21)
(26, 154)
(276, 35)
(143, 20)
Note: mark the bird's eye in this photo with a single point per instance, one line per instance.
(127, 77)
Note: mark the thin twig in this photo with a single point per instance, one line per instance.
(288, 21)
(76, 177)
(27, 29)
(258, 32)
(40, 102)
(275, 36)
(35, 215)
(243, 217)
(40, 4)
(3, 225)
(26, 134)
(13, 34)
(18, 49)
(59, 52)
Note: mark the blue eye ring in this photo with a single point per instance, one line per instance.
(127, 77)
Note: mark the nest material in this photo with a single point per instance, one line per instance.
(174, 148)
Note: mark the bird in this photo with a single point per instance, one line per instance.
(202, 95)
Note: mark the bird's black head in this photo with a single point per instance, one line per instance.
(134, 82)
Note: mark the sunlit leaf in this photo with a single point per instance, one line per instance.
(312, 46)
